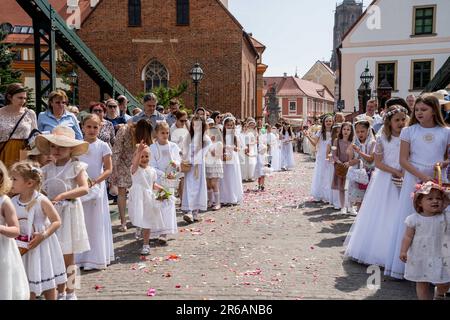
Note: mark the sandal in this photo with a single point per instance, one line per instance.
(123, 228)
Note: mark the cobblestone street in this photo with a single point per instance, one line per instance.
(276, 245)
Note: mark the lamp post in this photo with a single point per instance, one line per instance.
(73, 76)
(196, 74)
(366, 79)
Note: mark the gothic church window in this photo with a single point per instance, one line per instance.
(156, 75)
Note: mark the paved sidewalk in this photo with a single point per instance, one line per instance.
(274, 246)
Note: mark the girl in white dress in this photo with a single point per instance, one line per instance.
(250, 151)
(426, 242)
(195, 193)
(231, 190)
(143, 208)
(261, 169)
(369, 236)
(38, 220)
(165, 159)
(287, 152)
(65, 181)
(95, 204)
(321, 186)
(362, 150)
(423, 144)
(214, 167)
(276, 151)
(13, 278)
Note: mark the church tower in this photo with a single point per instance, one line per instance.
(345, 16)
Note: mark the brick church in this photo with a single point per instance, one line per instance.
(149, 43)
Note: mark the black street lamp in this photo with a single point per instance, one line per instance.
(73, 77)
(366, 79)
(196, 74)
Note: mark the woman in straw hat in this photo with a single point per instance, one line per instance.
(65, 182)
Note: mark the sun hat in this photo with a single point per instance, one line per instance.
(210, 121)
(425, 188)
(61, 136)
(441, 95)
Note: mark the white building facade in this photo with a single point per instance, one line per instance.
(403, 41)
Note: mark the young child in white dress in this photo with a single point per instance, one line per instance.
(95, 204)
(165, 159)
(195, 192)
(423, 144)
(38, 220)
(231, 190)
(250, 151)
(13, 278)
(143, 208)
(361, 150)
(368, 239)
(261, 169)
(275, 164)
(287, 151)
(426, 242)
(214, 167)
(334, 194)
(321, 185)
(65, 181)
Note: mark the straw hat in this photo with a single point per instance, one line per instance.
(62, 136)
(441, 94)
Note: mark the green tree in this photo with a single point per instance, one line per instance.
(7, 74)
(166, 94)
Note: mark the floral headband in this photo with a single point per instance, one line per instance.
(228, 118)
(397, 109)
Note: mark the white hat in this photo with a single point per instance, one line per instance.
(209, 121)
(64, 137)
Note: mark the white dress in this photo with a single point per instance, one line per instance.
(44, 264)
(160, 158)
(261, 169)
(429, 253)
(368, 241)
(72, 234)
(13, 278)
(230, 186)
(276, 154)
(287, 153)
(143, 209)
(427, 147)
(320, 187)
(195, 193)
(96, 213)
(214, 164)
(249, 164)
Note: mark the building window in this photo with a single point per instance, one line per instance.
(134, 13)
(424, 20)
(388, 71)
(182, 12)
(292, 106)
(156, 75)
(421, 73)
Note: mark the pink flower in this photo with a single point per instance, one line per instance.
(151, 292)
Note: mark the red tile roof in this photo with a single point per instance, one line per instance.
(291, 86)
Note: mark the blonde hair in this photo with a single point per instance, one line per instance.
(391, 111)
(5, 181)
(161, 125)
(91, 116)
(56, 94)
(28, 171)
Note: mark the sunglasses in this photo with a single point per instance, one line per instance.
(97, 110)
(111, 106)
(182, 120)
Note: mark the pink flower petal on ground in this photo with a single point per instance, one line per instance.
(98, 287)
(151, 292)
(178, 286)
(173, 257)
(143, 258)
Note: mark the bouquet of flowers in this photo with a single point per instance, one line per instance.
(163, 194)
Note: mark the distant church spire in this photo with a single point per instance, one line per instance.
(296, 75)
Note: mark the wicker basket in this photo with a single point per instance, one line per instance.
(340, 170)
(185, 167)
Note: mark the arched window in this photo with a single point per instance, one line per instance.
(134, 13)
(155, 75)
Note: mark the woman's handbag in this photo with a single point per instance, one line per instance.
(340, 170)
(3, 144)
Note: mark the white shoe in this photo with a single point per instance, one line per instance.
(138, 233)
(71, 296)
(61, 296)
(352, 211)
(145, 251)
(344, 210)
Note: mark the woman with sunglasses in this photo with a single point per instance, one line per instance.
(107, 133)
(113, 114)
(56, 115)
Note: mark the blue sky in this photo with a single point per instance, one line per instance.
(296, 33)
